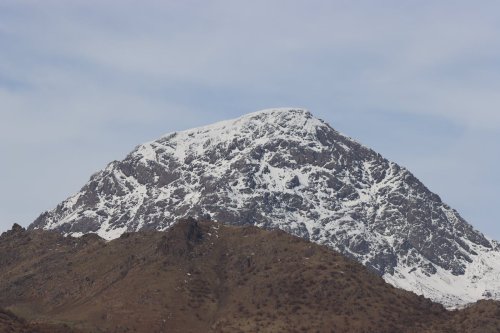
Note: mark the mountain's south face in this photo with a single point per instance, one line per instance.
(283, 168)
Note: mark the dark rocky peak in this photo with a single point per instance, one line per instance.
(182, 237)
(15, 230)
(187, 230)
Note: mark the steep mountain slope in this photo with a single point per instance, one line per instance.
(284, 168)
(209, 277)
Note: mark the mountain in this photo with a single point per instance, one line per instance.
(203, 276)
(284, 168)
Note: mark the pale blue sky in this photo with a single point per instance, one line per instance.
(83, 82)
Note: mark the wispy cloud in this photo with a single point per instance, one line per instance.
(99, 77)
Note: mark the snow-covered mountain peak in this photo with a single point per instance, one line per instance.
(284, 168)
(257, 125)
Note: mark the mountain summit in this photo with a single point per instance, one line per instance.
(284, 168)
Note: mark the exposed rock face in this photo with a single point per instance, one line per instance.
(284, 168)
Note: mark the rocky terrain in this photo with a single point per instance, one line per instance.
(283, 168)
(202, 276)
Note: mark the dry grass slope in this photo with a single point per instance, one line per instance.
(202, 276)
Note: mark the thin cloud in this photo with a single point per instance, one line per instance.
(101, 77)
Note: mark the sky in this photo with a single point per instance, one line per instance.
(83, 82)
